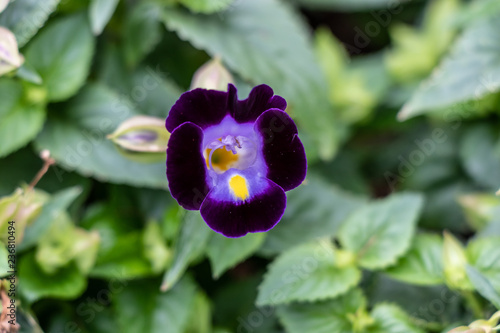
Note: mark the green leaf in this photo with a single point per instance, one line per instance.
(64, 242)
(225, 252)
(200, 318)
(483, 286)
(141, 307)
(122, 253)
(381, 232)
(309, 272)
(477, 10)
(57, 205)
(123, 259)
(191, 243)
(20, 119)
(25, 17)
(142, 32)
(391, 319)
(206, 6)
(470, 72)
(484, 255)
(100, 11)
(150, 88)
(417, 51)
(492, 229)
(155, 248)
(77, 140)
(454, 263)
(350, 5)
(423, 264)
(348, 91)
(4, 264)
(264, 41)
(27, 73)
(480, 154)
(160, 91)
(480, 209)
(317, 205)
(34, 283)
(322, 317)
(415, 299)
(62, 54)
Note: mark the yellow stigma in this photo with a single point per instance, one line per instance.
(238, 185)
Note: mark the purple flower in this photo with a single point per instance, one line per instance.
(233, 160)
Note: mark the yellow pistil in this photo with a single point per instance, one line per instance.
(238, 186)
(222, 159)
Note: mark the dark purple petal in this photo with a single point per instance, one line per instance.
(199, 106)
(206, 108)
(283, 152)
(236, 218)
(186, 168)
(260, 99)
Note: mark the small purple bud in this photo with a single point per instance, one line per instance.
(141, 134)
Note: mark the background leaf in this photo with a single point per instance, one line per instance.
(324, 317)
(206, 6)
(484, 255)
(4, 264)
(347, 5)
(191, 243)
(327, 206)
(157, 310)
(121, 252)
(309, 272)
(66, 283)
(142, 32)
(20, 118)
(381, 232)
(391, 319)
(225, 252)
(62, 54)
(100, 11)
(56, 206)
(422, 265)
(483, 286)
(25, 17)
(480, 154)
(470, 72)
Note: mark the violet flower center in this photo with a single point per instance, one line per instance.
(230, 152)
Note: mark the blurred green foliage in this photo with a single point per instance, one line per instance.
(395, 230)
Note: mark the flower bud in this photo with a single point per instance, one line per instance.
(142, 134)
(10, 58)
(212, 75)
(23, 207)
(480, 326)
(455, 261)
(479, 209)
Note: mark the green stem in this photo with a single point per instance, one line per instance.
(473, 303)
